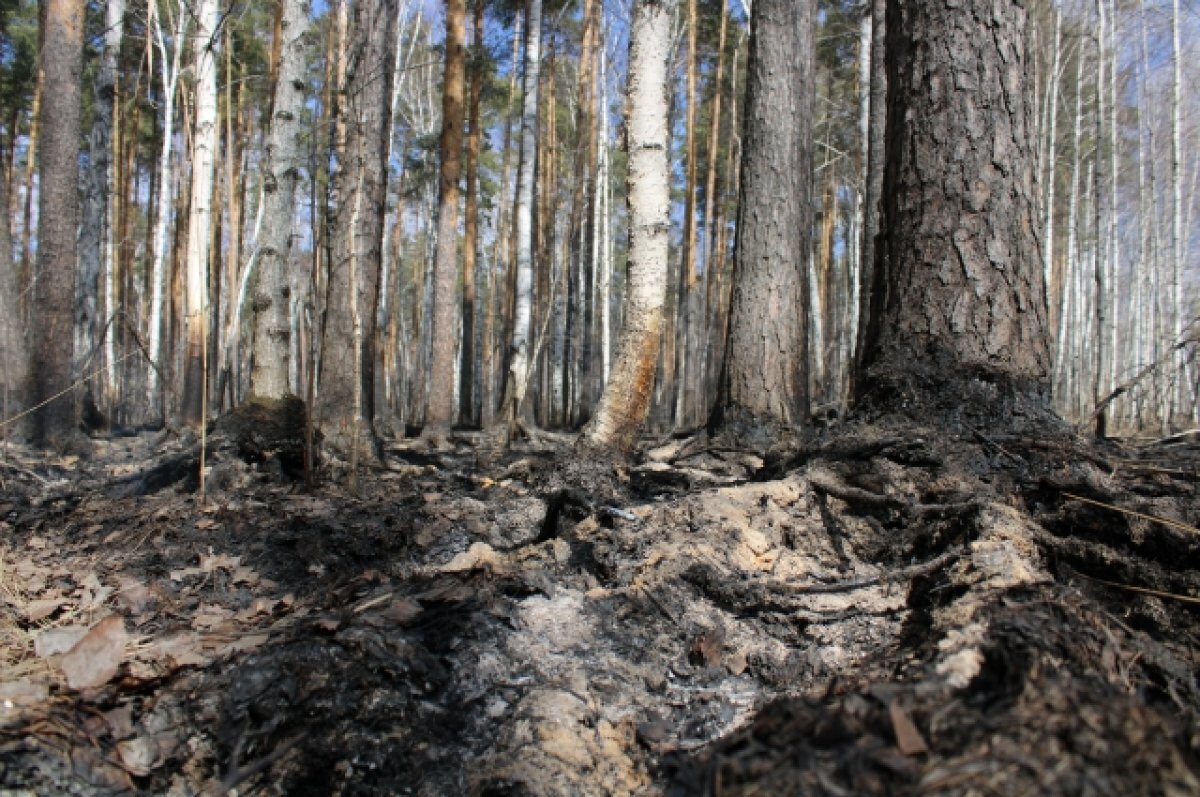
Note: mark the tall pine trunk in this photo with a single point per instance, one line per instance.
(439, 412)
(58, 214)
(764, 387)
(961, 316)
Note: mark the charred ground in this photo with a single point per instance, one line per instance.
(896, 607)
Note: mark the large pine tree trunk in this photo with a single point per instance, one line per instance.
(283, 158)
(962, 296)
(439, 412)
(764, 390)
(58, 214)
(626, 399)
(470, 369)
(347, 376)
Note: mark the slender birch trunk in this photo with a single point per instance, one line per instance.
(199, 240)
(626, 400)
(519, 355)
(164, 193)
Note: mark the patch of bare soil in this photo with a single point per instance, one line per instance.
(893, 610)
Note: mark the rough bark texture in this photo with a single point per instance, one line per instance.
(439, 412)
(626, 398)
(959, 289)
(764, 392)
(283, 159)
(58, 214)
(347, 377)
(469, 370)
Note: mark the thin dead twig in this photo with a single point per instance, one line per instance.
(1164, 521)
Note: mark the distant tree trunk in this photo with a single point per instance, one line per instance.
(347, 377)
(164, 192)
(439, 413)
(764, 391)
(31, 167)
(519, 354)
(469, 373)
(576, 365)
(685, 302)
(199, 238)
(1178, 239)
(14, 346)
(58, 215)
(873, 187)
(962, 310)
(98, 190)
(711, 201)
(626, 399)
(282, 160)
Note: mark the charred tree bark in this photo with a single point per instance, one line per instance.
(960, 292)
(764, 389)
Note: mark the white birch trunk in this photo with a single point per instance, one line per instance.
(199, 237)
(283, 159)
(518, 375)
(626, 399)
(1177, 240)
(164, 193)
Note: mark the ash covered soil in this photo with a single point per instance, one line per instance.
(888, 610)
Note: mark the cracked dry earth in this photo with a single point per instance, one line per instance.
(906, 614)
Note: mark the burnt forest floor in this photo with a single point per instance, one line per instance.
(887, 610)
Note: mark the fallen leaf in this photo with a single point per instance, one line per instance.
(211, 616)
(259, 606)
(186, 572)
(402, 610)
(206, 524)
(908, 739)
(244, 575)
(213, 561)
(248, 642)
(328, 624)
(54, 641)
(23, 692)
(93, 594)
(180, 650)
(139, 755)
(120, 721)
(42, 608)
(134, 594)
(95, 658)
